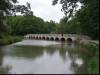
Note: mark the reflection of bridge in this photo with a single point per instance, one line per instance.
(65, 37)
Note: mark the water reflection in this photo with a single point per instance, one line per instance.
(32, 52)
(1, 57)
(61, 58)
(3, 69)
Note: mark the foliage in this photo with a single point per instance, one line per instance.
(89, 19)
(8, 7)
(85, 21)
(68, 7)
(10, 39)
(93, 61)
(21, 25)
(50, 27)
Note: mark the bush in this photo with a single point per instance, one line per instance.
(10, 39)
(93, 66)
(4, 42)
(93, 63)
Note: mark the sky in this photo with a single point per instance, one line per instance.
(44, 9)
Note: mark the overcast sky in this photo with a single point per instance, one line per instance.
(44, 9)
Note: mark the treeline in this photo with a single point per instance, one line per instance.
(22, 25)
(10, 8)
(85, 21)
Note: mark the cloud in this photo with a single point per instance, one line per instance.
(44, 9)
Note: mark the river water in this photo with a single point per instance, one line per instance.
(41, 57)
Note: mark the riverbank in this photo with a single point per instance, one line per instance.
(91, 54)
(92, 62)
(5, 40)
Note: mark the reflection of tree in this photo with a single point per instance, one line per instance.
(79, 69)
(65, 48)
(82, 69)
(50, 50)
(75, 53)
(27, 51)
(1, 57)
(62, 51)
(84, 54)
(3, 70)
(32, 52)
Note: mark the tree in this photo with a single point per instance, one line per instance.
(5, 7)
(86, 19)
(25, 10)
(68, 7)
(22, 25)
(50, 26)
(8, 8)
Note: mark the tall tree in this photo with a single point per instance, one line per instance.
(5, 7)
(68, 7)
(8, 7)
(86, 17)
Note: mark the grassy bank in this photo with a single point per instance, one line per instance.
(89, 52)
(92, 61)
(5, 40)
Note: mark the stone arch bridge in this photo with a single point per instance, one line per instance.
(57, 37)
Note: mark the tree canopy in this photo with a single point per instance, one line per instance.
(22, 25)
(83, 21)
(10, 8)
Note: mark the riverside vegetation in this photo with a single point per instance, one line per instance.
(85, 21)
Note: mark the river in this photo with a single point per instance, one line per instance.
(42, 57)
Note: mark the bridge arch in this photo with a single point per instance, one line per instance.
(43, 38)
(51, 38)
(39, 37)
(47, 38)
(33, 37)
(63, 39)
(69, 40)
(56, 39)
(36, 37)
